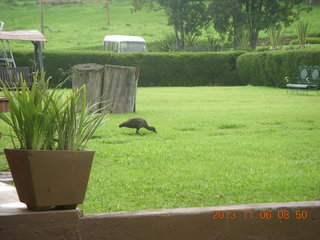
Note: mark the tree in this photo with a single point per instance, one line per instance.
(227, 18)
(186, 16)
(41, 20)
(231, 17)
(107, 13)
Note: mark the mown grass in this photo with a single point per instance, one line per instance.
(214, 146)
(84, 26)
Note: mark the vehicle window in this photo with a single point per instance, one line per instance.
(115, 47)
(132, 47)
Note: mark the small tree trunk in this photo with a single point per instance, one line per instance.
(119, 88)
(41, 21)
(107, 12)
(236, 34)
(176, 33)
(182, 39)
(254, 39)
(91, 75)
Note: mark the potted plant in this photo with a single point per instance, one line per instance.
(50, 166)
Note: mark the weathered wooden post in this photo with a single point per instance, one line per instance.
(119, 88)
(91, 75)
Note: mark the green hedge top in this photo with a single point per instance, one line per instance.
(270, 68)
(188, 69)
(156, 69)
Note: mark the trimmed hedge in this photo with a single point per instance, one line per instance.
(188, 69)
(156, 69)
(270, 68)
(309, 40)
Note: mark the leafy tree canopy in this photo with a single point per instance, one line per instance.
(232, 17)
(186, 16)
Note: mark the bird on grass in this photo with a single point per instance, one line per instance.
(137, 123)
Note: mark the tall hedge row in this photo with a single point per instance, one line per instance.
(188, 69)
(156, 69)
(270, 68)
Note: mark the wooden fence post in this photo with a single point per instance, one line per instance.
(119, 88)
(91, 75)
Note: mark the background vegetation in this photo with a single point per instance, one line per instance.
(231, 68)
(156, 69)
(83, 26)
(270, 68)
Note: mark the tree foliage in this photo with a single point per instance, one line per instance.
(231, 17)
(186, 16)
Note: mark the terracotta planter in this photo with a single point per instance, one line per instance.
(4, 104)
(47, 179)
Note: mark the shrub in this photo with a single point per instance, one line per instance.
(244, 40)
(274, 33)
(309, 40)
(270, 68)
(49, 120)
(192, 44)
(303, 28)
(167, 43)
(191, 40)
(156, 69)
(205, 45)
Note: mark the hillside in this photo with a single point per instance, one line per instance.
(83, 26)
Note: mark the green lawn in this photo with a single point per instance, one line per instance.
(83, 26)
(214, 146)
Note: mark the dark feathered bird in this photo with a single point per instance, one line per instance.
(137, 123)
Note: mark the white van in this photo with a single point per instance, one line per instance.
(124, 44)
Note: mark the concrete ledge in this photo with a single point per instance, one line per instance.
(6, 177)
(197, 223)
(234, 222)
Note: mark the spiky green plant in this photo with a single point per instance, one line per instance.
(275, 33)
(167, 43)
(29, 114)
(303, 29)
(75, 124)
(191, 40)
(45, 119)
(243, 39)
(210, 44)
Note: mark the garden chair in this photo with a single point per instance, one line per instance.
(305, 80)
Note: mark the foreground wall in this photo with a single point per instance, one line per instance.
(297, 220)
